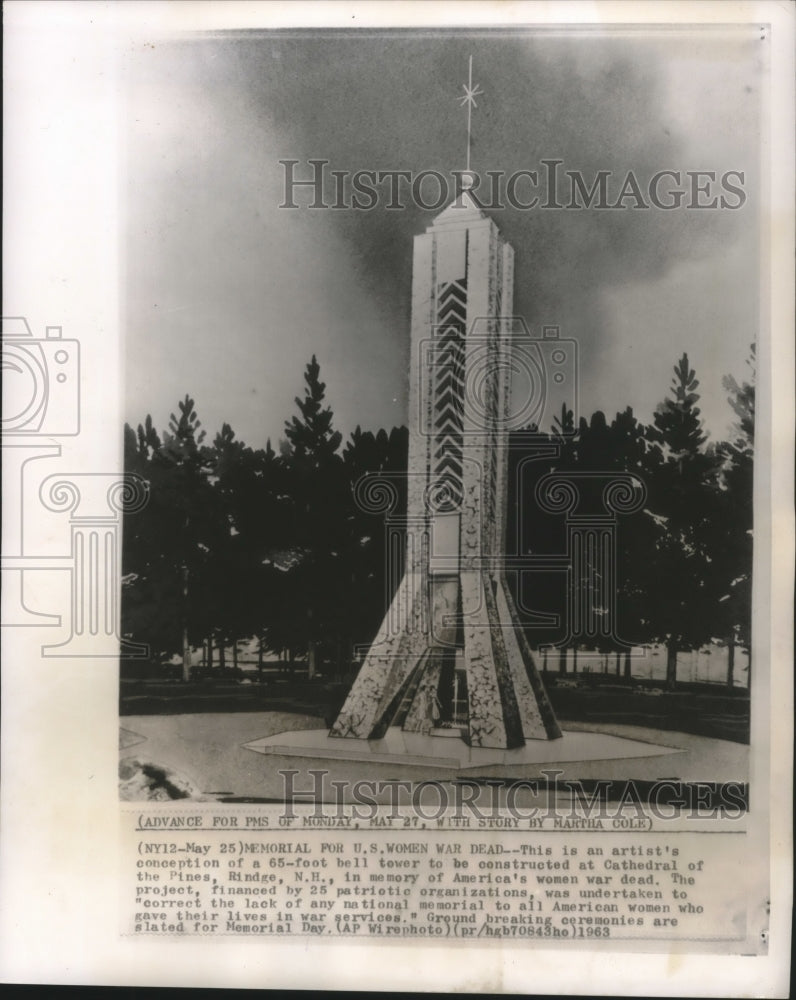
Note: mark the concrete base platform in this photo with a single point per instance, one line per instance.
(214, 751)
(416, 749)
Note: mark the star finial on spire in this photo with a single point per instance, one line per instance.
(468, 100)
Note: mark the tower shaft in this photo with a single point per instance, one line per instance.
(451, 654)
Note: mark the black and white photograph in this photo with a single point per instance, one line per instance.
(394, 341)
(433, 587)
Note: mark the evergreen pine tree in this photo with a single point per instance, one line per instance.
(733, 527)
(318, 486)
(313, 442)
(682, 476)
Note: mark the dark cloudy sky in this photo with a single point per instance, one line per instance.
(227, 296)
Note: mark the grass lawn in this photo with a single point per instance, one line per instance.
(696, 709)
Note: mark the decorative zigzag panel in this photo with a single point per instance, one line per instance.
(448, 403)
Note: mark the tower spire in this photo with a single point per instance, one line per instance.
(468, 101)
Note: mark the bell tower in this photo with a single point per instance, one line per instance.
(451, 657)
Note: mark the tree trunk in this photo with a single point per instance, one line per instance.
(574, 659)
(186, 656)
(186, 648)
(222, 663)
(210, 652)
(310, 647)
(310, 659)
(671, 664)
(628, 675)
(562, 660)
(731, 662)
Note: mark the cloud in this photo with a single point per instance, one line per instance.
(215, 117)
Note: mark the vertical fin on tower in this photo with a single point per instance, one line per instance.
(399, 643)
(538, 718)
